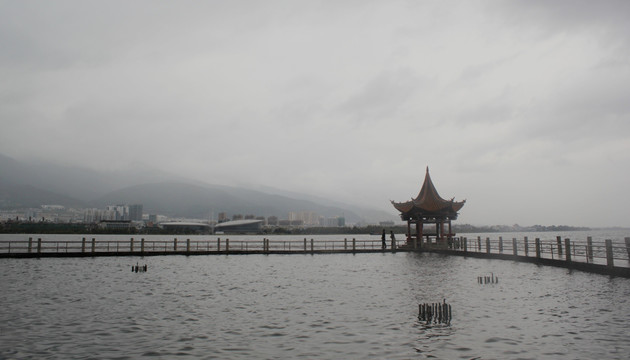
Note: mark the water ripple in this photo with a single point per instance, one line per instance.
(304, 307)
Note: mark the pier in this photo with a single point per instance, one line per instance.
(598, 256)
(91, 246)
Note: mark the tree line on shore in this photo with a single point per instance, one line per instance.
(80, 228)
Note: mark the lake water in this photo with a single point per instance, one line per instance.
(339, 306)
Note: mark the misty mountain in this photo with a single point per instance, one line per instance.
(80, 183)
(16, 196)
(34, 184)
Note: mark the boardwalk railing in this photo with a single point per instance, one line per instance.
(599, 256)
(589, 252)
(92, 246)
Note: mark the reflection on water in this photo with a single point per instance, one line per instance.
(304, 306)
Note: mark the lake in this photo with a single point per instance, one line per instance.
(339, 306)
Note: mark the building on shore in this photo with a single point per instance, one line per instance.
(119, 225)
(338, 221)
(180, 227)
(239, 227)
(135, 212)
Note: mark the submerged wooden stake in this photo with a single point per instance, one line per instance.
(436, 313)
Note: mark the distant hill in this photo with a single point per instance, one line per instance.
(80, 183)
(16, 196)
(34, 184)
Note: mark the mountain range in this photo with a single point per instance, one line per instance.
(31, 184)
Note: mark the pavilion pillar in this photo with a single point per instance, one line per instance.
(408, 230)
(450, 233)
(419, 226)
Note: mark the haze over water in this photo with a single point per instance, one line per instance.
(304, 306)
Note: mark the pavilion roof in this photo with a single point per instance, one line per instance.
(429, 202)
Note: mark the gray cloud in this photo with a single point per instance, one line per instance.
(383, 97)
(511, 104)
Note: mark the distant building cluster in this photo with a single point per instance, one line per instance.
(124, 216)
(307, 218)
(44, 213)
(114, 213)
(294, 219)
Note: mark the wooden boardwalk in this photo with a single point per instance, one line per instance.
(36, 247)
(599, 257)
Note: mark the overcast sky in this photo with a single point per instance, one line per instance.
(520, 107)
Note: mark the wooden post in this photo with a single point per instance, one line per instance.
(175, 244)
(487, 245)
(130, 244)
(465, 244)
(354, 245)
(93, 244)
(559, 241)
(501, 244)
(312, 246)
(305, 245)
(187, 245)
(514, 248)
(142, 245)
(450, 231)
(420, 228)
(345, 243)
(526, 246)
(39, 245)
(218, 244)
(30, 244)
(609, 254)
(227, 246)
(537, 248)
(628, 246)
(589, 247)
(567, 248)
(478, 243)
(393, 246)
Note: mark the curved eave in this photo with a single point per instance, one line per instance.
(403, 207)
(458, 205)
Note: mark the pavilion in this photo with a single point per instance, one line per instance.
(428, 208)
